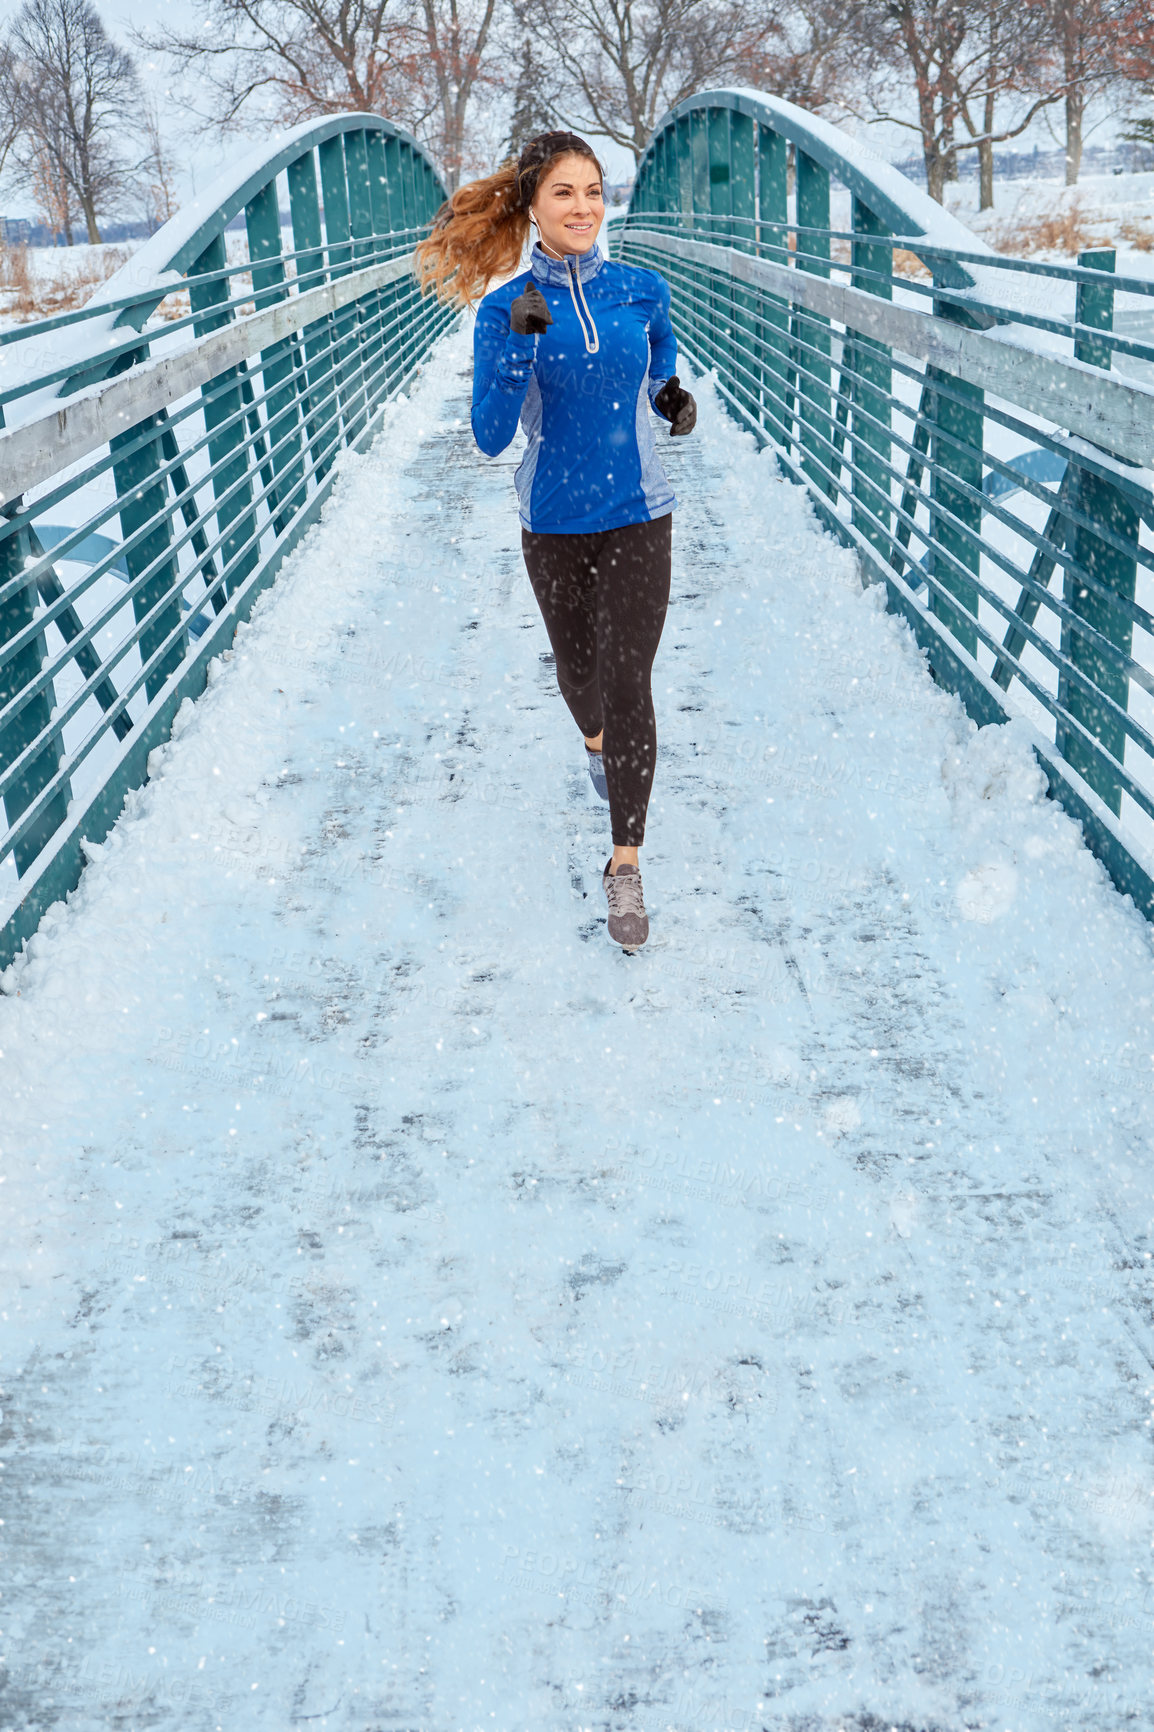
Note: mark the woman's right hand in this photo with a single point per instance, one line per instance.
(529, 314)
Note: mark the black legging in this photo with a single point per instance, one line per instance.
(603, 599)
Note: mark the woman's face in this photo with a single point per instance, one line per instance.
(569, 206)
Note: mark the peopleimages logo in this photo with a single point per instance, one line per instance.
(246, 1608)
(693, 1174)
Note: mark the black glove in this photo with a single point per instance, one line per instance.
(677, 404)
(529, 315)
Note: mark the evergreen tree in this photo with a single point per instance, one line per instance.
(533, 111)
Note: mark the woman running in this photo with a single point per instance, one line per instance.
(576, 348)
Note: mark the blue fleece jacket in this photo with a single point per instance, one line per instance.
(590, 462)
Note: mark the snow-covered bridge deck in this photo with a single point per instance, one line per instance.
(420, 1315)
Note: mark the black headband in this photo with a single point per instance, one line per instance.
(538, 152)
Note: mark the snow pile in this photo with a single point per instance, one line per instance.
(420, 1314)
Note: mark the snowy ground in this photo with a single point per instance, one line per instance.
(421, 1315)
(43, 282)
(40, 282)
(1102, 210)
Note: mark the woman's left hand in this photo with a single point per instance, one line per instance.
(678, 405)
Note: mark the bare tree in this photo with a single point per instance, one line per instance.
(1006, 58)
(52, 191)
(921, 40)
(157, 174)
(624, 62)
(454, 61)
(294, 59)
(80, 88)
(812, 52)
(12, 101)
(1093, 42)
(42, 157)
(417, 61)
(966, 59)
(1136, 66)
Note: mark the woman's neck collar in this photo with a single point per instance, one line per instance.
(548, 266)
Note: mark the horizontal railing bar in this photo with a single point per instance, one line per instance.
(1103, 645)
(162, 472)
(175, 591)
(1095, 461)
(944, 388)
(217, 315)
(861, 277)
(781, 342)
(245, 481)
(38, 449)
(193, 405)
(168, 287)
(1108, 410)
(438, 322)
(10, 525)
(919, 244)
(1094, 746)
(990, 506)
(66, 769)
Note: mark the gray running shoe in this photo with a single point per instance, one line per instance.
(628, 921)
(597, 773)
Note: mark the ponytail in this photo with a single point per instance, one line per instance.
(480, 232)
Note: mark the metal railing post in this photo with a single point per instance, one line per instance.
(16, 673)
(773, 353)
(361, 229)
(721, 230)
(743, 208)
(278, 364)
(386, 300)
(223, 402)
(957, 437)
(668, 190)
(699, 280)
(394, 192)
(360, 197)
(871, 389)
(338, 236)
(811, 331)
(1114, 570)
(143, 496)
(685, 165)
(322, 426)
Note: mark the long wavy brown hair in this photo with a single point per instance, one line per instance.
(480, 232)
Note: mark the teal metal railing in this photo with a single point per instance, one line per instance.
(163, 449)
(980, 429)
